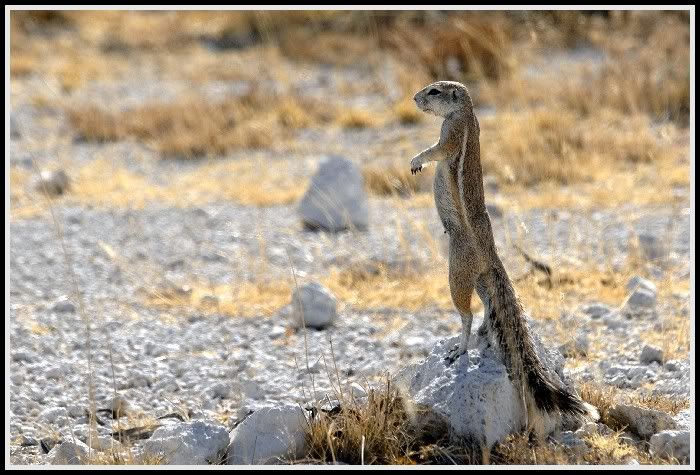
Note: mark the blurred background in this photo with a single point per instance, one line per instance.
(169, 152)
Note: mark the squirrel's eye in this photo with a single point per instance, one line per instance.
(433, 92)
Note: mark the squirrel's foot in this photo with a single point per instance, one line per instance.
(416, 165)
(455, 353)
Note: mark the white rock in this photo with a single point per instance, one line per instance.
(357, 391)
(472, 398)
(252, 390)
(671, 443)
(313, 306)
(683, 419)
(53, 182)
(53, 415)
(651, 354)
(638, 281)
(652, 246)
(190, 443)
(75, 410)
(336, 197)
(69, 453)
(63, 305)
(596, 310)
(641, 421)
(277, 332)
(643, 294)
(268, 434)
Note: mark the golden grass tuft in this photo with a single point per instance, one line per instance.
(242, 299)
(378, 431)
(358, 119)
(195, 128)
(392, 179)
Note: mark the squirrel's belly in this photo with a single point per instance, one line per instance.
(445, 202)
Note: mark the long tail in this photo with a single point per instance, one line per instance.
(507, 322)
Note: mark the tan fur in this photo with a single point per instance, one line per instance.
(474, 262)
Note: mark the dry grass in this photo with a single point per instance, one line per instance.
(546, 145)
(391, 179)
(194, 128)
(103, 183)
(379, 431)
(245, 299)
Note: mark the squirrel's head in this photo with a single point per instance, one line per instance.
(442, 98)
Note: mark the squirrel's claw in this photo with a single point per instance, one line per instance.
(453, 354)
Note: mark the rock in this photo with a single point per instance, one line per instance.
(52, 182)
(642, 296)
(69, 453)
(641, 299)
(336, 198)
(252, 390)
(671, 443)
(15, 132)
(597, 310)
(268, 434)
(54, 415)
(651, 354)
(54, 373)
(641, 421)
(76, 410)
(277, 332)
(26, 356)
(313, 306)
(26, 440)
(219, 390)
(572, 441)
(472, 399)
(683, 419)
(189, 443)
(357, 391)
(63, 305)
(638, 281)
(652, 246)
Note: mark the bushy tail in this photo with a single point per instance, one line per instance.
(507, 323)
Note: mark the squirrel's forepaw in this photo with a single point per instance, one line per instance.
(416, 166)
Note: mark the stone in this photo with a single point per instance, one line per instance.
(641, 421)
(597, 310)
(52, 182)
(189, 443)
(651, 354)
(641, 299)
(473, 398)
(638, 281)
(69, 453)
(63, 305)
(671, 443)
(336, 199)
(652, 246)
(267, 435)
(313, 306)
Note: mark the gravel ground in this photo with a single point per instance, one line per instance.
(217, 364)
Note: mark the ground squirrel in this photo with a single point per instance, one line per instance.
(474, 263)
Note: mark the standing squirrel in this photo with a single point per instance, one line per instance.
(474, 262)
